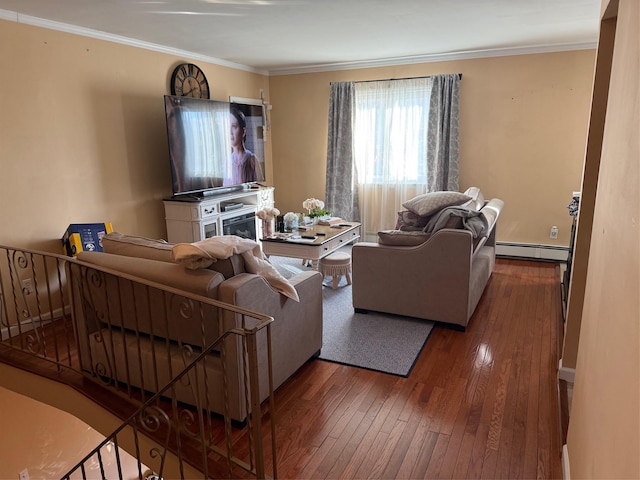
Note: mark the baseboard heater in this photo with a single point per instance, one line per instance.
(527, 250)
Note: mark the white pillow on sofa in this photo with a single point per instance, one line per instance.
(207, 252)
(429, 203)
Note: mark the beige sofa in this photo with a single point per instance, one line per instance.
(438, 275)
(149, 340)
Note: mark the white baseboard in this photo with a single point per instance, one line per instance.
(565, 373)
(556, 253)
(29, 324)
(566, 470)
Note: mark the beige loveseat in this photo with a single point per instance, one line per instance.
(134, 339)
(435, 265)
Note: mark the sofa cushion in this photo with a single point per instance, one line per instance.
(429, 203)
(402, 238)
(139, 247)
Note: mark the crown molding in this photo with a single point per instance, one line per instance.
(436, 57)
(313, 68)
(87, 32)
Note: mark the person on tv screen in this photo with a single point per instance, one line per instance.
(245, 166)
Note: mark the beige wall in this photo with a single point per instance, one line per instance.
(604, 429)
(83, 136)
(42, 425)
(45, 429)
(523, 125)
(42, 439)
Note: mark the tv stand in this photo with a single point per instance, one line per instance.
(191, 218)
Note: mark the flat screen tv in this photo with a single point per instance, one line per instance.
(213, 145)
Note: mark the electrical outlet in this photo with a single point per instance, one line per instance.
(23, 475)
(27, 286)
(554, 232)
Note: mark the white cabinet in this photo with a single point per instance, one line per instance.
(191, 220)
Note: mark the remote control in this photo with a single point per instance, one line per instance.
(308, 236)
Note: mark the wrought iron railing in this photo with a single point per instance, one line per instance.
(191, 367)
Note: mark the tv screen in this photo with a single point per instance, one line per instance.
(213, 144)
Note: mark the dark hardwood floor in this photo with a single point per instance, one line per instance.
(477, 404)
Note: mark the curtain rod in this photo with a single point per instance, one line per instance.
(404, 78)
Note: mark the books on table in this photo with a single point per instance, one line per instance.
(330, 221)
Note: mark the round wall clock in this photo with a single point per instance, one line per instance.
(188, 80)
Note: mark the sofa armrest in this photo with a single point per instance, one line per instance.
(296, 333)
(254, 293)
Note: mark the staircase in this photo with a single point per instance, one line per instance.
(166, 437)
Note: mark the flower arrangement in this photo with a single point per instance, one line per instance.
(268, 213)
(290, 217)
(290, 221)
(315, 207)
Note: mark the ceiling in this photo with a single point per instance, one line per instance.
(291, 36)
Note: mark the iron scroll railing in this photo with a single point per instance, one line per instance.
(153, 420)
(191, 367)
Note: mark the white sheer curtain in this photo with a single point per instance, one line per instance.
(390, 148)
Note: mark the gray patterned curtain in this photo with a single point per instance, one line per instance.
(341, 190)
(442, 154)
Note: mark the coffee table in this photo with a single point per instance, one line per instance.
(325, 240)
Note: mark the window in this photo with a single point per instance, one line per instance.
(390, 131)
(381, 151)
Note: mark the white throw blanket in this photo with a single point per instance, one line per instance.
(204, 253)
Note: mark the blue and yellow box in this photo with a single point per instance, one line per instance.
(85, 237)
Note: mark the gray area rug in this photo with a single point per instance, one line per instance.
(375, 341)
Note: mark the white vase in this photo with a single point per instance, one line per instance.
(267, 227)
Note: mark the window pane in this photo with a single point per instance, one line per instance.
(390, 133)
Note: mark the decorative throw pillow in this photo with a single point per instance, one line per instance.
(429, 203)
(409, 219)
(401, 238)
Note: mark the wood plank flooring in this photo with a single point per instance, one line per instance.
(477, 404)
